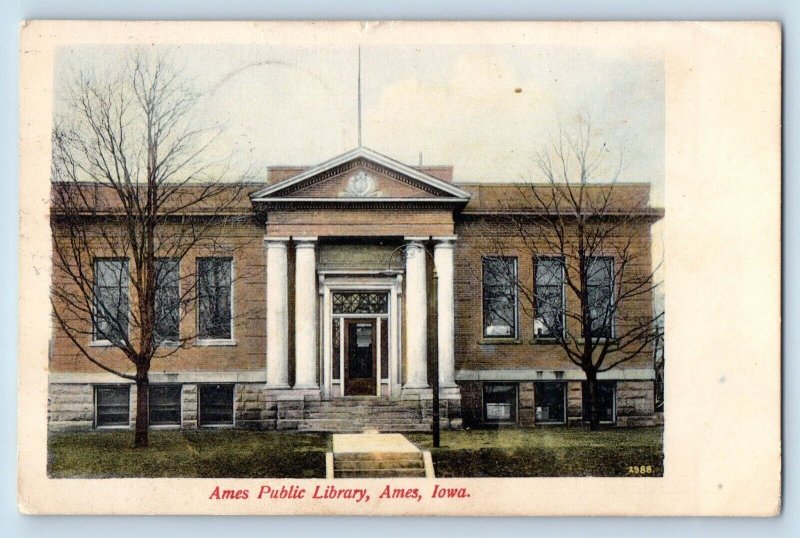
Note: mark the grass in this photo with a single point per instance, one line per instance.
(509, 452)
(546, 452)
(199, 454)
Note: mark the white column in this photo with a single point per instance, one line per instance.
(416, 316)
(277, 313)
(443, 260)
(305, 313)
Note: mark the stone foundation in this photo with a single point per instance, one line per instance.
(71, 407)
(635, 404)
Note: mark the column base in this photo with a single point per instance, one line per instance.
(416, 393)
(308, 386)
(278, 386)
(450, 393)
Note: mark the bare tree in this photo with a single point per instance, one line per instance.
(588, 237)
(134, 192)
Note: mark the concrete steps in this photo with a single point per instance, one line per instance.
(379, 465)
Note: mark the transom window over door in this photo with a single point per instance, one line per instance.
(360, 302)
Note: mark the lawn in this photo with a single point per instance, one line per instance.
(547, 452)
(245, 454)
(197, 454)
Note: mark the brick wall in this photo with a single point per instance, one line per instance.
(476, 238)
(245, 244)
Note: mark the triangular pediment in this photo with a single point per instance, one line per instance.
(361, 175)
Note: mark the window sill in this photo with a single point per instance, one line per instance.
(101, 343)
(169, 344)
(500, 340)
(546, 341)
(216, 426)
(213, 342)
(113, 427)
(598, 340)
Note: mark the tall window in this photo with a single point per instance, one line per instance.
(549, 295)
(168, 302)
(600, 291)
(110, 299)
(499, 297)
(214, 298)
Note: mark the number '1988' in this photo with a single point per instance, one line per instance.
(640, 469)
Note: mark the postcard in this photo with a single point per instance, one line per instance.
(400, 268)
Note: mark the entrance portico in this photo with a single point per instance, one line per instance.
(360, 320)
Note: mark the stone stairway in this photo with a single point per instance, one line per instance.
(367, 413)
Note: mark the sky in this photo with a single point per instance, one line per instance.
(485, 110)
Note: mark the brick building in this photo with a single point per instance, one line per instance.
(325, 316)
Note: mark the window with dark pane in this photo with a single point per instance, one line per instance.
(549, 402)
(214, 298)
(336, 344)
(168, 303)
(165, 405)
(606, 401)
(361, 339)
(216, 405)
(112, 405)
(499, 297)
(110, 299)
(385, 349)
(360, 303)
(600, 293)
(499, 402)
(549, 297)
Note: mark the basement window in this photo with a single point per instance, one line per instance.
(549, 400)
(607, 399)
(165, 405)
(112, 405)
(216, 405)
(499, 402)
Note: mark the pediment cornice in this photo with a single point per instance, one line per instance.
(371, 171)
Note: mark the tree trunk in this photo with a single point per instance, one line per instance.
(591, 389)
(142, 409)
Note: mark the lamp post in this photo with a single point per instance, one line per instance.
(435, 360)
(436, 426)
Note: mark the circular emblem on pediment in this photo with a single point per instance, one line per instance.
(361, 185)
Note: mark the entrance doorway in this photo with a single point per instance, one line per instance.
(360, 364)
(360, 325)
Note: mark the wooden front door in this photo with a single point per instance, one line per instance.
(360, 364)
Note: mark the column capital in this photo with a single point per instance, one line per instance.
(275, 242)
(445, 241)
(412, 239)
(304, 241)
